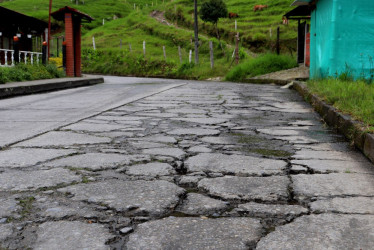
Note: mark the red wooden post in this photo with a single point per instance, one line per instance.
(16, 49)
(73, 19)
(64, 55)
(69, 36)
(49, 28)
(77, 47)
(307, 50)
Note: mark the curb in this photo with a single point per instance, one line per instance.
(266, 81)
(344, 124)
(34, 87)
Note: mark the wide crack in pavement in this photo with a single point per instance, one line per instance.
(202, 166)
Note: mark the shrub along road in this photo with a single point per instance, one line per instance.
(202, 165)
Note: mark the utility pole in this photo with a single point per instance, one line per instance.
(237, 48)
(196, 34)
(49, 27)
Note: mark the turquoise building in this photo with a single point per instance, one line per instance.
(341, 37)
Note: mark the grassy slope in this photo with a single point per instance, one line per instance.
(254, 27)
(98, 9)
(352, 97)
(135, 26)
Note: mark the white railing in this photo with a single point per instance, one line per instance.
(7, 57)
(6, 63)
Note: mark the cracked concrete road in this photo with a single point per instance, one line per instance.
(163, 164)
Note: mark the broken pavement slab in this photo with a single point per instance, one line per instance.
(240, 165)
(330, 185)
(6, 230)
(25, 157)
(273, 188)
(194, 131)
(329, 166)
(97, 161)
(155, 198)
(306, 154)
(159, 139)
(94, 127)
(198, 204)
(62, 138)
(173, 152)
(153, 169)
(72, 235)
(324, 231)
(56, 211)
(254, 209)
(196, 233)
(32, 180)
(9, 207)
(348, 205)
(204, 120)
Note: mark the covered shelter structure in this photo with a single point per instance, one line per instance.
(302, 15)
(30, 31)
(342, 35)
(73, 20)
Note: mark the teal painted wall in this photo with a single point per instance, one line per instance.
(342, 38)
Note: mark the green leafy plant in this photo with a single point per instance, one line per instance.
(355, 98)
(212, 11)
(28, 72)
(263, 64)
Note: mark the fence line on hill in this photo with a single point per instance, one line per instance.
(163, 51)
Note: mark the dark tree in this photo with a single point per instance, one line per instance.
(211, 11)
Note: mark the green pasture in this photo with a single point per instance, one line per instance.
(355, 98)
(126, 25)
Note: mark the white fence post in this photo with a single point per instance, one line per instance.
(180, 54)
(211, 54)
(144, 48)
(93, 43)
(163, 48)
(190, 57)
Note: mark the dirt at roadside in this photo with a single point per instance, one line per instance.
(160, 17)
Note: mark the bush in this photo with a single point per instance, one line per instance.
(355, 98)
(3, 75)
(120, 62)
(54, 71)
(261, 65)
(23, 72)
(185, 69)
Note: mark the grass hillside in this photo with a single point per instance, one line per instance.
(166, 23)
(257, 29)
(99, 9)
(254, 27)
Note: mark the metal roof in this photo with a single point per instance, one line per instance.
(10, 20)
(301, 2)
(300, 12)
(60, 14)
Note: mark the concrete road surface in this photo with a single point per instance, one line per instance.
(166, 164)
